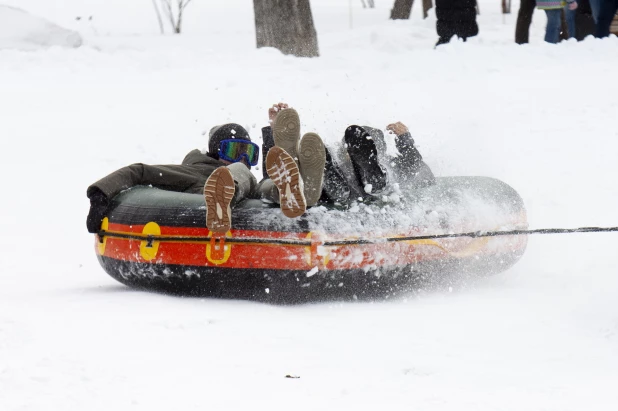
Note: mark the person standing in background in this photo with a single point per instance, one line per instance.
(455, 18)
(553, 9)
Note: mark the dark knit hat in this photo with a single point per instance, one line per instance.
(224, 132)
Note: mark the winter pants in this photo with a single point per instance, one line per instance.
(269, 191)
(248, 188)
(552, 31)
(244, 182)
(455, 18)
(595, 6)
(607, 12)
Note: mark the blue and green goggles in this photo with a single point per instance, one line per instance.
(234, 150)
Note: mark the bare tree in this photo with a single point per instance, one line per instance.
(427, 5)
(286, 25)
(524, 19)
(506, 6)
(401, 9)
(173, 10)
(159, 19)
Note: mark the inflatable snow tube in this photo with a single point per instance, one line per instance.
(157, 240)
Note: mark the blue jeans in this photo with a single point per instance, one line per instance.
(552, 31)
(569, 16)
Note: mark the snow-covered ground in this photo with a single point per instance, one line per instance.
(543, 118)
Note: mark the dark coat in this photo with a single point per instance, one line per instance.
(189, 177)
(456, 18)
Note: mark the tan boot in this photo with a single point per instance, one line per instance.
(283, 171)
(218, 193)
(311, 162)
(286, 131)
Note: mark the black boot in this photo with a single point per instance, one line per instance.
(378, 138)
(364, 156)
(335, 188)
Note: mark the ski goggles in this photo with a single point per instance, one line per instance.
(234, 150)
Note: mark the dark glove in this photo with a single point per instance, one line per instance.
(98, 206)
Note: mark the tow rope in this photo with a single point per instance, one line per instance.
(305, 243)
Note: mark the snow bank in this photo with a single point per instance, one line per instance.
(21, 30)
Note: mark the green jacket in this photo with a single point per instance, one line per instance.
(188, 177)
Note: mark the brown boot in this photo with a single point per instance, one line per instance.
(283, 171)
(218, 193)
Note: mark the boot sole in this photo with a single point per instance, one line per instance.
(218, 193)
(311, 162)
(283, 171)
(286, 131)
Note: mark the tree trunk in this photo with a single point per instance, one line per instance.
(178, 26)
(427, 5)
(402, 9)
(524, 19)
(286, 25)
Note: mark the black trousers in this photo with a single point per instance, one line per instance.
(606, 15)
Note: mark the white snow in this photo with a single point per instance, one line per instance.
(541, 336)
(23, 31)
